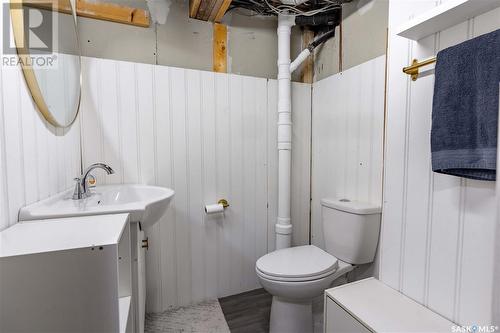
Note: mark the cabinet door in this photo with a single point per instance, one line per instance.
(141, 280)
(337, 320)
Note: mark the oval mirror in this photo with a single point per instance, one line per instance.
(46, 40)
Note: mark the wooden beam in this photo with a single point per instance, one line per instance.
(208, 10)
(202, 11)
(112, 12)
(97, 10)
(215, 10)
(219, 48)
(307, 68)
(194, 5)
(222, 10)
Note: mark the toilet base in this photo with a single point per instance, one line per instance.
(291, 316)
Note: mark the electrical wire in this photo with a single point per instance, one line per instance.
(289, 10)
(270, 7)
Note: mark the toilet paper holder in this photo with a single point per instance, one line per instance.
(224, 203)
(217, 208)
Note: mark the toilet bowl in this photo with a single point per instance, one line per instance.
(294, 276)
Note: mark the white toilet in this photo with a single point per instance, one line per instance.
(294, 276)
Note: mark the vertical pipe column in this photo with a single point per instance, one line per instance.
(283, 223)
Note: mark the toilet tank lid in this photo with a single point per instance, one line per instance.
(351, 206)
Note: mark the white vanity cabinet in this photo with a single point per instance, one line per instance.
(139, 245)
(67, 275)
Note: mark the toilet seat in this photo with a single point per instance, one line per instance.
(295, 264)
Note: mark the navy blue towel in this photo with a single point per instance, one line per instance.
(465, 108)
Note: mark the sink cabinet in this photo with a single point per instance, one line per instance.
(143, 203)
(67, 275)
(138, 276)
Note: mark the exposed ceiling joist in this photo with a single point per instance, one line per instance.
(97, 10)
(208, 10)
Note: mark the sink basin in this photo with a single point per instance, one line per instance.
(145, 204)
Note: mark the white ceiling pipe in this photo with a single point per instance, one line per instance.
(283, 223)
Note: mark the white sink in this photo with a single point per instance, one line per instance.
(146, 204)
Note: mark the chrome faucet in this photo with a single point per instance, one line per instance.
(81, 188)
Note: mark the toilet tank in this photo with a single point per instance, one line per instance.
(351, 229)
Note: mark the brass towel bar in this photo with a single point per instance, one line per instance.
(415, 65)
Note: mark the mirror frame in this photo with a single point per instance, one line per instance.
(28, 72)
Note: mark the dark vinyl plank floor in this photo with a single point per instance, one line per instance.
(247, 312)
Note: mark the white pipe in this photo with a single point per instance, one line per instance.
(300, 59)
(283, 223)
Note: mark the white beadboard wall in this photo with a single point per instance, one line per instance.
(437, 236)
(36, 160)
(207, 136)
(347, 143)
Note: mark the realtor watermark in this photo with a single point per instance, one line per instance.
(474, 329)
(29, 34)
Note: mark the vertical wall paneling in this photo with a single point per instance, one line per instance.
(261, 168)
(236, 164)
(211, 225)
(445, 200)
(166, 232)
(301, 162)
(437, 231)
(223, 157)
(145, 123)
(30, 152)
(249, 113)
(206, 135)
(418, 174)
(128, 117)
(195, 195)
(36, 159)
(347, 144)
(13, 140)
(91, 87)
(181, 167)
(272, 162)
(109, 119)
